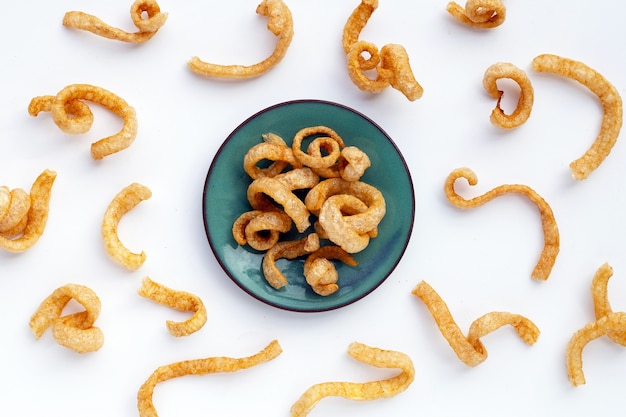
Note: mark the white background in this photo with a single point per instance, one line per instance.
(478, 260)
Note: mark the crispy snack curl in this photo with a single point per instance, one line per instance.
(289, 249)
(261, 229)
(198, 367)
(179, 300)
(320, 272)
(273, 148)
(469, 349)
(147, 26)
(75, 331)
(479, 14)
(609, 98)
(23, 216)
(608, 323)
(280, 23)
(526, 98)
(551, 235)
(73, 116)
(280, 189)
(361, 391)
(122, 203)
(391, 63)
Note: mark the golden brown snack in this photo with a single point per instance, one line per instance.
(204, 366)
(260, 229)
(148, 25)
(361, 391)
(320, 272)
(179, 300)
(75, 331)
(122, 203)
(289, 249)
(329, 141)
(524, 107)
(607, 323)
(73, 116)
(391, 64)
(353, 163)
(273, 148)
(469, 349)
(609, 98)
(280, 23)
(280, 189)
(26, 216)
(551, 235)
(479, 14)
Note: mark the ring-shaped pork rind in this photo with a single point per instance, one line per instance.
(330, 142)
(361, 391)
(469, 349)
(179, 300)
(264, 191)
(611, 104)
(148, 25)
(74, 117)
(391, 64)
(524, 106)
(479, 14)
(261, 229)
(280, 155)
(122, 203)
(320, 272)
(145, 404)
(289, 249)
(24, 231)
(280, 23)
(607, 323)
(75, 331)
(551, 235)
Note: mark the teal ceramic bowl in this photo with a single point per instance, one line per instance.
(224, 199)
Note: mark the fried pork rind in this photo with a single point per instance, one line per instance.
(289, 249)
(147, 26)
(469, 349)
(274, 149)
(264, 191)
(23, 216)
(391, 64)
(260, 229)
(361, 391)
(329, 142)
(524, 107)
(179, 300)
(607, 323)
(320, 272)
(280, 23)
(73, 116)
(122, 203)
(479, 14)
(75, 331)
(609, 98)
(551, 235)
(199, 367)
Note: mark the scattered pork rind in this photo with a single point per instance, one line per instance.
(122, 203)
(609, 98)
(148, 25)
(23, 216)
(73, 116)
(551, 235)
(361, 391)
(75, 331)
(524, 107)
(469, 349)
(607, 323)
(205, 366)
(391, 63)
(280, 23)
(479, 14)
(179, 300)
